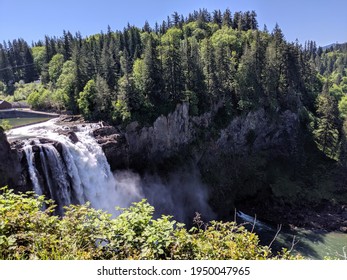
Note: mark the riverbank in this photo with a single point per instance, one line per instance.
(22, 117)
(25, 113)
(323, 216)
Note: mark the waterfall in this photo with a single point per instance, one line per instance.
(55, 176)
(32, 170)
(66, 164)
(69, 172)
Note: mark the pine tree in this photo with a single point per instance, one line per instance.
(195, 90)
(227, 20)
(209, 69)
(217, 17)
(327, 132)
(6, 74)
(151, 76)
(67, 45)
(173, 75)
(108, 66)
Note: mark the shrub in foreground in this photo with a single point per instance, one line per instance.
(29, 230)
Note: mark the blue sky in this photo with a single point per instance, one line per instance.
(319, 20)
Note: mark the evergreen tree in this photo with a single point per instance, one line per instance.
(95, 101)
(67, 45)
(147, 76)
(209, 70)
(327, 131)
(227, 20)
(79, 59)
(171, 59)
(195, 90)
(6, 74)
(175, 19)
(217, 17)
(108, 66)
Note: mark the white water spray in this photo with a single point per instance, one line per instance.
(78, 173)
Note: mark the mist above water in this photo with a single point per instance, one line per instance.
(180, 194)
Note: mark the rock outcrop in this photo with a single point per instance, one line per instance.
(10, 168)
(139, 147)
(166, 137)
(236, 165)
(257, 131)
(114, 145)
(169, 135)
(242, 158)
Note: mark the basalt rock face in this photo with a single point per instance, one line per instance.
(162, 140)
(257, 132)
(10, 168)
(114, 145)
(238, 164)
(142, 147)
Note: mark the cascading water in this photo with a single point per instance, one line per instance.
(69, 172)
(32, 170)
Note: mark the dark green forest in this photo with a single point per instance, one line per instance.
(141, 73)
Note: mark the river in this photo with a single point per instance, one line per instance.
(311, 244)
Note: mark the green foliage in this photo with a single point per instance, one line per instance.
(95, 100)
(327, 131)
(66, 85)
(8, 98)
(343, 107)
(29, 230)
(122, 108)
(3, 88)
(86, 101)
(39, 55)
(55, 67)
(5, 125)
(40, 98)
(22, 91)
(204, 60)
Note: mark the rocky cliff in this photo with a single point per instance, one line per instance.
(140, 147)
(238, 165)
(10, 168)
(258, 131)
(179, 132)
(236, 159)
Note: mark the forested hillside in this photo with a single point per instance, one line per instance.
(204, 58)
